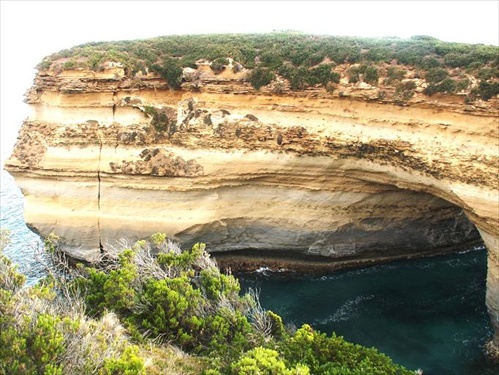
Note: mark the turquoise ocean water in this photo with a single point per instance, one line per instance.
(426, 314)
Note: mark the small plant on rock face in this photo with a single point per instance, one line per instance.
(69, 65)
(218, 65)
(330, 87)
(171, 72)
(278, 87)
(404, 91)
(260, 77)
(487, 90)
(436, 75)
(371, 75)
(394, 74)
(44, 65)
(323, 75)
(368, 72)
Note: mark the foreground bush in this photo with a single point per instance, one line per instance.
(42, 332)
(158, 295)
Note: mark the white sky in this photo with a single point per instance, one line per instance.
(31, 30)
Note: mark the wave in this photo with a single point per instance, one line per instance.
(349, 310)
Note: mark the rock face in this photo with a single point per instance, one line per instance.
(343, 177)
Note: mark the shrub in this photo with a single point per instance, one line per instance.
(262, 361)
(128, 364)
(274, 50)
(354, 74)
(394, 74)
(436, 75)
(171, 72)
(43, 330)
(297, 77)
(404, 91)
(447, 85)
(271, 59)
(439, 81)
(165, 298)
(462, 84)
(486, 74)
(260, 77)
(371, 75)
(429, 62)
(455, 60)
(488, 90)
(323, 74)
(325, 355)
(44, 65)
(70, 65)
(218, 65)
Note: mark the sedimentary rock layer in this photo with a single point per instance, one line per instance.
(308, 172)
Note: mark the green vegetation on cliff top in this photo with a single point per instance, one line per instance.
(297, 57)
(128, 313)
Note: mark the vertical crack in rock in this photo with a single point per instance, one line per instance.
(114, 104)
(99, 190)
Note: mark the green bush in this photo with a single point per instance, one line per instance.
(447, 85)
(130, 363)
(325, 355)
(297, 77)
(43, 331)
(218, 65)
(44, 65)
(404, 91)
(486, 74)
(439, 81)
(200, 311)
(260, 77)
(171, 72)
(70, 65)
(462, 84)
(436, 75)
(395, 74)
(295, 56)
(271, 59)
(262, 361)
(354, 74)
(455, 60)
(429, 62)
(370, 74)
(488, 90)
(323, 74)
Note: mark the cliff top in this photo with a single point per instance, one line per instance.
(301, 61)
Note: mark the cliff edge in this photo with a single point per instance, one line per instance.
(336, 158)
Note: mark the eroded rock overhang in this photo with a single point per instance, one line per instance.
(318, 175)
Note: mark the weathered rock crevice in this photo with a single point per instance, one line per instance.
(101, 245)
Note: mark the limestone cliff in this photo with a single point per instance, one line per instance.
(339, 175)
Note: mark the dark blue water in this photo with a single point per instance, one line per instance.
(426, 314)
